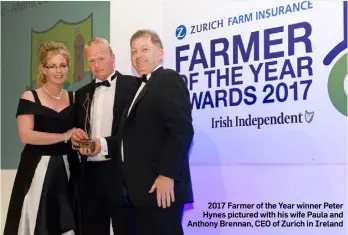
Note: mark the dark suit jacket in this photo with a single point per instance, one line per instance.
(126, 87)
(157, 136)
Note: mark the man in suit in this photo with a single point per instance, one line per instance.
(155, 135)
(99, 107)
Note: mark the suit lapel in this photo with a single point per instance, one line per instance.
(118, 98)
(118, 91)
(143, 92)
(140, 96)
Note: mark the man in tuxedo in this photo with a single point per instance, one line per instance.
(99, 107)
(155, 135)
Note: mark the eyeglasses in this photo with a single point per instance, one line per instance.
(54, 67)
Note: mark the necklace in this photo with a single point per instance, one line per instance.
(55, 97)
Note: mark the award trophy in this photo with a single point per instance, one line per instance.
(87, 143)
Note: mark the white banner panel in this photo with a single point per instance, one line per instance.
(267, 78)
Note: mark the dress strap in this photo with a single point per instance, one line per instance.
(71, 97)
(36, 97)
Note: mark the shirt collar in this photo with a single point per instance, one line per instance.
(108, 79)
(149, 75)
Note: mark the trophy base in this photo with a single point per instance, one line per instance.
(87, 144)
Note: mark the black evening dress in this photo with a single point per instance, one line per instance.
(43, 199)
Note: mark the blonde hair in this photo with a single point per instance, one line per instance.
(46, 51)
(155, 39)
(98, 40)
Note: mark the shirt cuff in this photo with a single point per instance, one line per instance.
(103, 147)
(74, 147)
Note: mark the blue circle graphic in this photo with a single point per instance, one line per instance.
(180, 32)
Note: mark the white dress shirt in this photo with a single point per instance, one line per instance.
(102, 116)
(135, 97)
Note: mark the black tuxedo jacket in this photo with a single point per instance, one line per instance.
(157, 136)
(126, 87)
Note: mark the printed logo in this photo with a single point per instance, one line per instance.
(338, 73)
(180, 32)
(309, 116)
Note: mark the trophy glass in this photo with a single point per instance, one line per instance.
(87, 143)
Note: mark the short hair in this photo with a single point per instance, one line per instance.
(155, 39)
(98, 40)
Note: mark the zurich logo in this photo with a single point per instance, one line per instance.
(180, 32)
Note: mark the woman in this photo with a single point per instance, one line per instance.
(41, 200)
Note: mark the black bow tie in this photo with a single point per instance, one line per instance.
(143, 78)
(103, 83)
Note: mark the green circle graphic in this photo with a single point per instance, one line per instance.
(336, 85)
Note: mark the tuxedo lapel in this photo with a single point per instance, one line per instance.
(154, 76)
(118, 98)
(122, 122)
(118, 92)
(140, 96)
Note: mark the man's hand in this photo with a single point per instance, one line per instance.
(78, 135)
(88, 152)
(164, 187)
